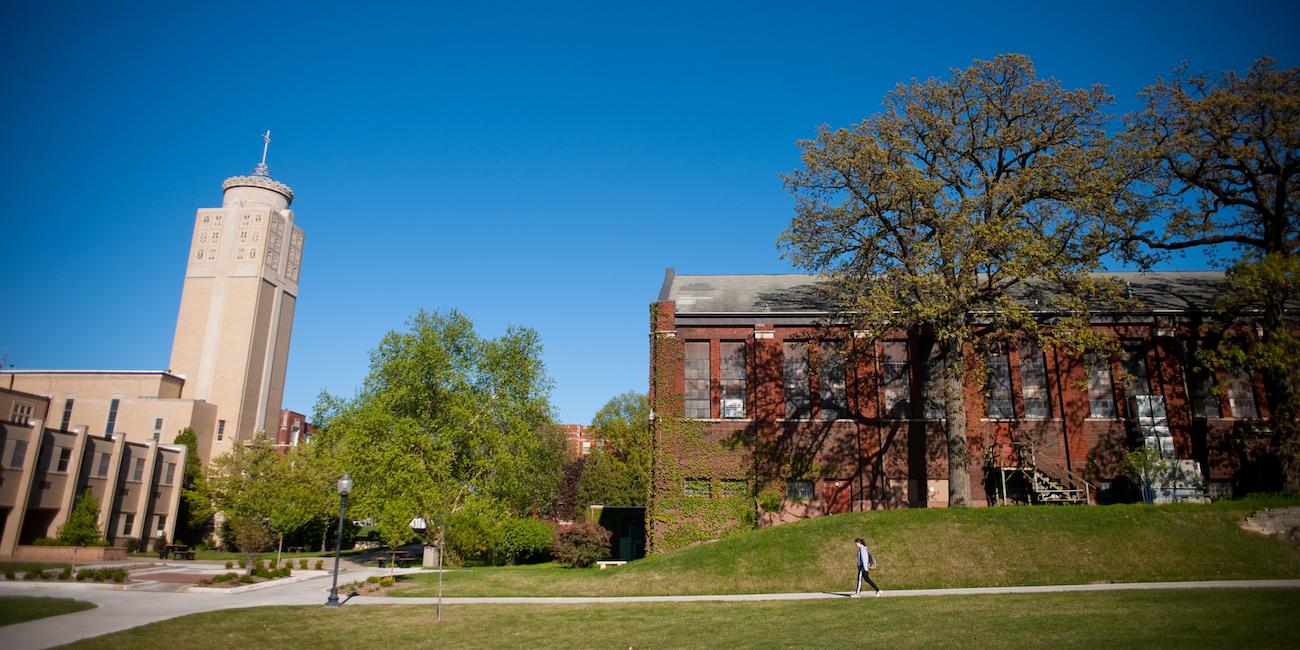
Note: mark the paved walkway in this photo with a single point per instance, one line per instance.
(120, 609)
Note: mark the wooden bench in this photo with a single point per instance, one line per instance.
(608, 563)
(400, 558)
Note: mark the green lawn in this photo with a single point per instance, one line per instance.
(18, 609)
(923, 548)
(1182, 619)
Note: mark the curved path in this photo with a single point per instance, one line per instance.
(120, 608)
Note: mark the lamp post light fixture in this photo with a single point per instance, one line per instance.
(345, 487)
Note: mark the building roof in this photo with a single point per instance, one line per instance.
(802, 294)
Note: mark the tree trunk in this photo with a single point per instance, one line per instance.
(954, 397)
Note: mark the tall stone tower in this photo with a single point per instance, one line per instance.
(236, 313)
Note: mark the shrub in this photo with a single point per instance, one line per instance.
(66, 573)
(520, 541)
(33, 574)
(47, 541)
(372, 579)
(260, 565)
(243, 564)
(10, 575)
(471, 537)
(582, 545)
(206, 582)
(386, 581)
(302, 564)
(222, 578)
(119, 575)
(100, 574)
(134, 545)
(320, 564)
(229, 564)
(82, 525)
(245, 579)
(85, 574)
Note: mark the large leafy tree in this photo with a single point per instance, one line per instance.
(241, 486)
(447, 422)
(618, 471)
(194, 515)
(964, 194)
(1223, 165)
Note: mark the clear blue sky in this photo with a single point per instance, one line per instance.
(537, 166)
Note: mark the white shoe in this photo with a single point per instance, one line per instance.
(858, 595)
(879, 593)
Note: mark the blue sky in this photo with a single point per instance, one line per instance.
(534, 164)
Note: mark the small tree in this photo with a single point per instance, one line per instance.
(1143, 465)
(250, 536)
(82, 527)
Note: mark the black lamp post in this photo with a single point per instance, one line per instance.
(345, 487)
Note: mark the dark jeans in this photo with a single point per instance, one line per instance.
(862, 574)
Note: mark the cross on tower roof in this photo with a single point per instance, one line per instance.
(261, 169)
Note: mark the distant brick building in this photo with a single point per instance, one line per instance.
(756, 387)
(579, 440)
(294, 429)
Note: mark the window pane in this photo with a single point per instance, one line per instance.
(697, 379)
(696, 487)
(1033, 381)
(833, 389)
(1136, 381)
(895, 383)
(998, 386)
(1101, 393)
(800, 490)
(1241, 395)
(732, 380)
(794, 365)
(1201, 388)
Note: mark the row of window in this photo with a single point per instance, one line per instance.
(17, 452)
(795, 490)
(126, 522)
(800, 358)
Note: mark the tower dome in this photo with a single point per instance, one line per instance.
(257, 187)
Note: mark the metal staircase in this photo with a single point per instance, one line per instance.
(1047, 481)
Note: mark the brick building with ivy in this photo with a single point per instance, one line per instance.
(767, 407)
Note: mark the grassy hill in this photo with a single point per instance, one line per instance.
(932, 548)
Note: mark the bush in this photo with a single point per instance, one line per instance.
(471, 538)
(288, 564)
(320, 564)
(302, 564)
(245, 579)
(10, 575)
(386, 581)
(85, 574)
(134, 545)
(372, 579)
(47, 541)
(582, 545)
(521, 541)
(66, 573)
(119, 575)
(229, 564)
(243, 564)
(33, 574)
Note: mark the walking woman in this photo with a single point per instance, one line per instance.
(865, 563)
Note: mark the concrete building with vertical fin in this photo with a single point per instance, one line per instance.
(63, 431)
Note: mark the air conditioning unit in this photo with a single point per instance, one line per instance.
(733, 407)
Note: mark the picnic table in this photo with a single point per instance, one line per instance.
(402, 559)
(176, 552)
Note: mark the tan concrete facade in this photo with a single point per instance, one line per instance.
(237, 305)
(43, 469)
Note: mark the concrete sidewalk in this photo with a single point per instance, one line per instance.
(120, 609)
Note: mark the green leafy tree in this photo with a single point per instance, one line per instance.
(82, 526)
(1143, 465)
(303, 491)
(242, 486)
(618, 471)
(963, 197)
(194, 514)
(1222, 159)
(446, 422)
